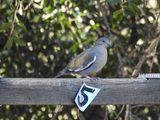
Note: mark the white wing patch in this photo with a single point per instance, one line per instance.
(85, 67)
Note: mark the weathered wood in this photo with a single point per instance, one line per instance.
(25, 91)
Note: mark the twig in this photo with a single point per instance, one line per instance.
(135, 106)
(121, 110)
(154, 53)
(120, 61)
(127, 114)
(29, 4)
(153, 44)
(106, 114)
(135, 117)
(101, 10)
(156, 21)
(56, 111)
(14, 20)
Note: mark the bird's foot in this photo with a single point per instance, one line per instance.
(92, 79)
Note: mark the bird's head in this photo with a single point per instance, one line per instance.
(103, 41)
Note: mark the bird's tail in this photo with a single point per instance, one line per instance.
(58, 75)
(63, 72)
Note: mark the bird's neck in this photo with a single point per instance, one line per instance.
(99, 44)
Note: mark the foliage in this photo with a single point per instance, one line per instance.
(39, 37)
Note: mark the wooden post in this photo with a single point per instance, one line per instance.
(38, 91)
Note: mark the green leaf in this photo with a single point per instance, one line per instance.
(21, 25)
(11, 5)
(135, 1)
(5, 27)
(36, 18)
(9, 43)
(74, 47)
(132, 9)
(95, 27)
(19, 41)
(15, 39)
(118, 15)
(48, 9)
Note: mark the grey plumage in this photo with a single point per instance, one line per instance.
(90, 61)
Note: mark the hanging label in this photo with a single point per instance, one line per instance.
(85, 96)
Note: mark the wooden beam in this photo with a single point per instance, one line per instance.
(37, 91)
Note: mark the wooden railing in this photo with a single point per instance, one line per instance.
(37, 91)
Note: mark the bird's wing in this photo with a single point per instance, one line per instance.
(82, 61)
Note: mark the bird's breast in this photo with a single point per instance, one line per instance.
(101, 58)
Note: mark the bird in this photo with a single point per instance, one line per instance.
(90, 61)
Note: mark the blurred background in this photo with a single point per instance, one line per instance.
(39, 37)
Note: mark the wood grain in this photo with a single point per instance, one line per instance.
(38, 91)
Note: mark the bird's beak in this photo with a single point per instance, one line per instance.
(110, 45)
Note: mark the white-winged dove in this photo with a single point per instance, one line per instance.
(90, 61)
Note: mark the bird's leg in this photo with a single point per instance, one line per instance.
(91, 78)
